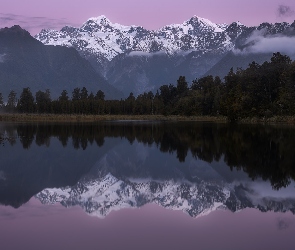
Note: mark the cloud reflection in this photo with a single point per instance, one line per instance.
(285, 11)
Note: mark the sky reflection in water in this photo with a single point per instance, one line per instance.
(150, 227)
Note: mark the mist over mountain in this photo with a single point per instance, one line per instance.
(135, 59)
(26, 62)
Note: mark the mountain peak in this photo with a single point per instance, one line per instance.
(239, 23)
(196, 21)
(102, 19)
(198, 18)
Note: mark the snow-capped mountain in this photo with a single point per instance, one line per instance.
(100, 41)
(125, 55)
(100, 37)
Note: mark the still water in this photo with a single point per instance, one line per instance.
(146, 185)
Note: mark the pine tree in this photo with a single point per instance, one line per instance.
(84, 94)
(76, 95)
(63, 96)
(182, 85)
(43, 101)
(99, 95)
(11, 102)
(26, 101)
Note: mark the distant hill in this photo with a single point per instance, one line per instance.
(235, 61)
(26, 62)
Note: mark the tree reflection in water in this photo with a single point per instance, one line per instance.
(261, 151)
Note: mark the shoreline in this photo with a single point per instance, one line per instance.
(96, 118)
(289, 120)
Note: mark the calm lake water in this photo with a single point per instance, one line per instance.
(147, 185)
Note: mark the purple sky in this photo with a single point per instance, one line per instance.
(152, 14)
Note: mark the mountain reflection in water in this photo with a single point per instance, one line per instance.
(193, 167)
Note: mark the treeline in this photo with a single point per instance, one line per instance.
(260, 90)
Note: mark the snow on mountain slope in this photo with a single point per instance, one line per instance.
(195, 34)
(100, 37)
(104, 39)
(100, 197)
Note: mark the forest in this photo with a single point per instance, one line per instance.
(258, 91)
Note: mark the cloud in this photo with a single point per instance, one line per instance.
(274, 44)
(32, 24)
(260, 191)
(258, 43)
(146, 54)
(283, 224)
(285, 11)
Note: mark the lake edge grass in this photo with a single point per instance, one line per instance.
(96, 118)
(64, 118)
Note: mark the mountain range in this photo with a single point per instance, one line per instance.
(120, 59)
(134, 59)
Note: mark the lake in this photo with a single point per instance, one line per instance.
(146, 185)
